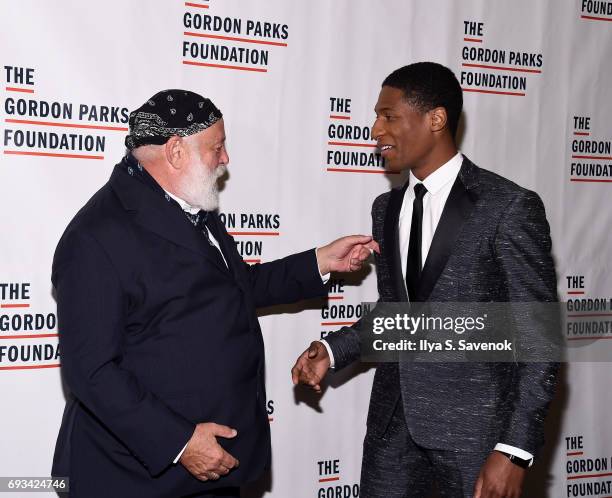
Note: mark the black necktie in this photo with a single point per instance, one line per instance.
(415, 260)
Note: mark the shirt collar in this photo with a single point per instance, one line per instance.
(439, 178)
(185, 206)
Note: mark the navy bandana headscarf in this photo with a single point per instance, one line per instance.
(169, 113)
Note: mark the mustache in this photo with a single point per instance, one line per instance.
(219, 171)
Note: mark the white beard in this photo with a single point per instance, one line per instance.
(200, 189)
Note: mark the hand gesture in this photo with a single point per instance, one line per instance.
(203, 457)
(346, 254)
(311, 366)
(499, 478)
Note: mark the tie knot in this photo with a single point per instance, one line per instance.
(202, 217)
(420, 190)
(198, 219)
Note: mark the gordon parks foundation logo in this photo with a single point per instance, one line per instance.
(591, 156)
(587, 318)
(495, 71)
(350, 146)
(337, 311)
(213, 40)
(330, 481)
(28, 336)
(587, 475)
(596, 10)
(39, 126)
(251, 231)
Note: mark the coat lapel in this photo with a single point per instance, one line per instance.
(151, 211)
(227, 244)
(391, 234)
(457, 210)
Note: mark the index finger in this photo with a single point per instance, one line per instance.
(478, 488)
(357, 239)
(373, 246)
(295, 373)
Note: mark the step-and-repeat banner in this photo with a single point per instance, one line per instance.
(297, 83)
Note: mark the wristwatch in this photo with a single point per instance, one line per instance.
(521, 462)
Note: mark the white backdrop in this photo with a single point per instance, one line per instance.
(291, 78)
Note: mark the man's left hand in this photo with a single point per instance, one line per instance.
(346, 254)
(499, 478)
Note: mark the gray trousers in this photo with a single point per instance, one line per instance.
(394, 466)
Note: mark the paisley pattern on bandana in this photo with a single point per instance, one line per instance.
(177, 112)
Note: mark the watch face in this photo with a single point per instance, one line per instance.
(516, 460)
(519, 461)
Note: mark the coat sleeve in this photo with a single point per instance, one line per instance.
(523, 252)
(345, 343)
(286, 280)
(91, 308)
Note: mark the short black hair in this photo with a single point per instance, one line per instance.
(427, 85)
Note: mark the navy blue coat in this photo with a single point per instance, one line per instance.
(157, 335)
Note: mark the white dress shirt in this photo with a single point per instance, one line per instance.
(438, 185)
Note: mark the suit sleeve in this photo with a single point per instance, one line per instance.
(345, 343)
(92, 308)
(523, 251)
(286, 280)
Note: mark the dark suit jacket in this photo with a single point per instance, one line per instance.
(156, 335)
(492, 244)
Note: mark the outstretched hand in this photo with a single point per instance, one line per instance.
(346, 254)
(311, 366)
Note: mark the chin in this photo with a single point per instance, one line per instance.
(209, 204)
(394, 167)
(207, 198)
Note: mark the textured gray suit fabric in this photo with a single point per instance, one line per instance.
(399, 468)
(501, 253)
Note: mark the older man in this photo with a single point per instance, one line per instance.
(160, 342)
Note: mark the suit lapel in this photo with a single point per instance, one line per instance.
(457, 210)
(228, 247)
(391, 234)
(151, 211)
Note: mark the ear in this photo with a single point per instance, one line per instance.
(438, 119)
(175, 151)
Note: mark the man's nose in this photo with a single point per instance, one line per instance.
(377, 129)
